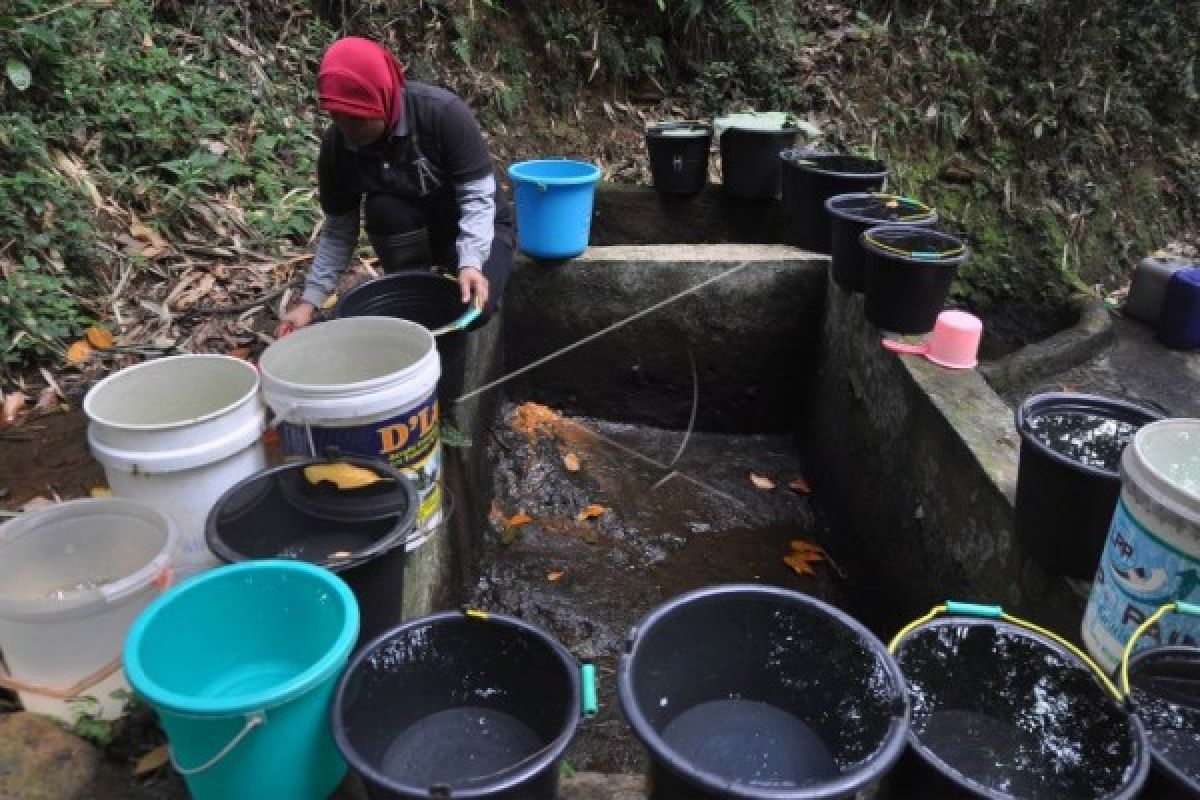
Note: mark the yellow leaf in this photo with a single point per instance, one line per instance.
(762, 482)
(798, 565)
(800, 486)
(100, 491)
(517, 520)
(591, 512)
(555, 574)
(99, 338)
(804, 554)
(571, 462)
(343, 476)
(151, 761)
(78, 352)
(330, 301)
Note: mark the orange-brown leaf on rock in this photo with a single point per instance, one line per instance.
(78, 352)
(518, 519)
(571, 462)
(99, 338)
(156, 758)
(800, 486)
(591, 512)
(554, 575)
(531, 418)
(804, 554)
(762, 482)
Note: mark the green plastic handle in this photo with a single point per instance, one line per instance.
(974, 609)
(587, 674)
(1187, 608)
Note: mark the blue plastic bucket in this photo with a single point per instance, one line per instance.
(240, 663)
(554, 206)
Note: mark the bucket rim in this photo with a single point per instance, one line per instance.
(1142, 755)
(77, 602)
(1179, 496)
(1169, 767)
(273, 383)
(929, 214)
(808, 161)
(250, 395)
(343, 311)
(1039, 402)
(589, 173)
(506, 779)
(889, 751)
(867, 241)
(397, 537)
(236, 705)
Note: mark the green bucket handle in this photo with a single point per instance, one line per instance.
(996, 612)
(254, 719)
(1179, 607)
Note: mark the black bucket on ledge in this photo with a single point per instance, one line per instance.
(459, 704)
(358, 534)
(908, 275)
(678, 154)
(1068, 476)
(759, 692)
(852, 214)
(1165, 695)
(809, 179)
(750, 166)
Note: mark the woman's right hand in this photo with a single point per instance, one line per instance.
(298, 316)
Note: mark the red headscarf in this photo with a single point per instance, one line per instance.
(360, 78)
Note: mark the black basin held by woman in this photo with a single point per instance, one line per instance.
(809, 179)
(1067, 475)
(851, 215)
(758, 692)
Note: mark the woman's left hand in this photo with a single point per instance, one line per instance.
(472, 281)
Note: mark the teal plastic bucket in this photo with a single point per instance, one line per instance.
(241, 663)
(554, 206)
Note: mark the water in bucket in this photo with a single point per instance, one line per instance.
(1090, 439)
(459, 746)
(1165, 689)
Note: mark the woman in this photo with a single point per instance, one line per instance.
(410, 158)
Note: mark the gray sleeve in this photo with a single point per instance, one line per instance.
(476, 220)
(339, 236)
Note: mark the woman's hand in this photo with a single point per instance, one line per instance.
(298, 316)
(472, 281)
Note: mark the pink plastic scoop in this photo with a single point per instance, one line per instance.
(954, 342)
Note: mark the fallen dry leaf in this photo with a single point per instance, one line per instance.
(517, 520)
(804, 554)
(330, 302)
(531, 418)
(153, 760)
(240, 352)
(79, 352)
(571, 462)
(100, 491)
(13, 403)
(591, 512)
(762, 482)
(799, 485)
(555, 574)
(99, 338)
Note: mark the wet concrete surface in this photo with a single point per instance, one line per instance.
(680, 512)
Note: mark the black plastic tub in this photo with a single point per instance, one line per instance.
(458, 704)
(428, 299)
(908, 275)
(750, 166)
(359, 534)
(809, 179)
(852, 214)
(758, 692)
(1001, 712)
(1165, 684)
(1068, 476)
(678, 154)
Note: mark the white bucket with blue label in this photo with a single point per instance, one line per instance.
(1152, 555)
(364, 386)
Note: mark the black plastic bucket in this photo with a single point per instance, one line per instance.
(1000, 712)
(678, 154)
(908, 275)
(458, 704)
(1165, 683)
(360, 534)
(758, 692)
(1068, 475)
(852, 214)
(809, 179)
(428, 299)
(750, 161)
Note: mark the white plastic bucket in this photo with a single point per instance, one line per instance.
(364, 386)
(73, 578)
(1152, 554)
(175, 433)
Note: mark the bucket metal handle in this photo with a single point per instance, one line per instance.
(996, 612)
(255, 719)
(1179, 607)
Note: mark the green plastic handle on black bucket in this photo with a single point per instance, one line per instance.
(974, 609)
(587, 677)
(1191, 609)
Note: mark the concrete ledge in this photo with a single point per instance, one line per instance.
(924, 460)
(624, 214)
(617, 333)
